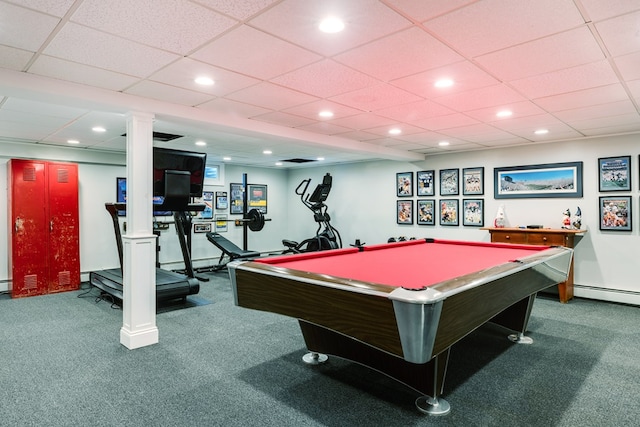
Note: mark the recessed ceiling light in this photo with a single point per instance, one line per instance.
(201, 143)
(98, 129)
(267, 152)
(541, 132)
(226, 159)
(443, 143)
(204, 81)
(395, 131)
(278, 163)
(504, 113)
(326, 114)
(73, 141)
(320, 159)
(331, 25)
(444, 83)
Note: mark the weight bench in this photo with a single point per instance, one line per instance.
(229, 250)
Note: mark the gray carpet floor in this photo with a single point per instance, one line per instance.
(61, 364)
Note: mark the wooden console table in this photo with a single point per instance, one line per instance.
(540, 236)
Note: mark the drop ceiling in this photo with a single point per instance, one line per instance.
(571, 67)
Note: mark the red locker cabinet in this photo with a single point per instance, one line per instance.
(44, 253)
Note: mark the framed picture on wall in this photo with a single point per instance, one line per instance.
(236, 192)
(473, 181)
(426, 212)
(449, 182)
(425, 182)
(404, 184)
(614, 174)
(404, 212)
(473, 212)
(615, 213)
(449, 212)
(257, 197)
(546, 180)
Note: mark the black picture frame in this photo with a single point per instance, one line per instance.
(236, 197)
(614, 174)
(473, 181)
(449, 212)
(615, 213)
(404, 184)
(473, 212)
(404, 212)
(257, 197)
(425, 183)
(449, 182)
(533, 181)
(426, 212)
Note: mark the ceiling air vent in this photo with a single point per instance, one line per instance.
(298, 160)
(162, 137)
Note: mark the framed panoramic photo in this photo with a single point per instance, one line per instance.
(404, 212)
(615, 213)
(426, 212)
(473, 212)
(614, 174)
(449, 182)
(404, 184)
(449, 212)
(425, 181)
(547, 180)
(473, 181)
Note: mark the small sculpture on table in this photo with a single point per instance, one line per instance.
(566, 219)
(576, 221)
(500, 220)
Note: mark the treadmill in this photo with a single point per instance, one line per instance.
(169, 284)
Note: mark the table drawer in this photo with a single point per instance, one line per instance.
(509, 237)
(546, 239)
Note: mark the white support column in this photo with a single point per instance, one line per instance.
(139, 243)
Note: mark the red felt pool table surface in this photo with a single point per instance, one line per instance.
(411, 264)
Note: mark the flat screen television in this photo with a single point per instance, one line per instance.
(121, 197)
(165, 159)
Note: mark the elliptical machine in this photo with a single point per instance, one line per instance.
(326, 236)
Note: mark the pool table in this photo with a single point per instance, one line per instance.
(399, 307)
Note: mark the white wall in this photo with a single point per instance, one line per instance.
(362, 205)
(363, 200)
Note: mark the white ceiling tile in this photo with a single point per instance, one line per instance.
(14, 20)
(233, 108)
(376, 97)
(567, 80)
(271, 96)
(621, 34)
(183, 72)
(612, 124)
(518, 109)
(597, 111)
(239, 9)
(283, 119)
(404, 53)
(629, 66)
(491, 25)
(358, 135)
(312, 109)
(634, 87)
(53, 7)
(43, 108)
(168, 93)
(324, 128)
(445, 122)
(363, 121)
(71, 71)
(86, 46)
(415, 111)
(529, 123)
(422, 10)
(177, 27)
(297, 21)
(599, 10)
(254, 53)
(581, 98)
(552, 53)
(465, 75)
(14, 59)
(325, 79)
(489, 96)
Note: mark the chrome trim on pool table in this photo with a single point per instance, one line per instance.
(417, 338)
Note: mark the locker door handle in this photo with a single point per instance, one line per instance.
(51, 226)
(15, 224)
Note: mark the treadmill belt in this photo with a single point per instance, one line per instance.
(169, 284)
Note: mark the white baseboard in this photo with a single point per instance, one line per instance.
(610, 295)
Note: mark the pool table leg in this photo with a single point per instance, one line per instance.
(516, 318)
(313, 358)
(427, 378)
